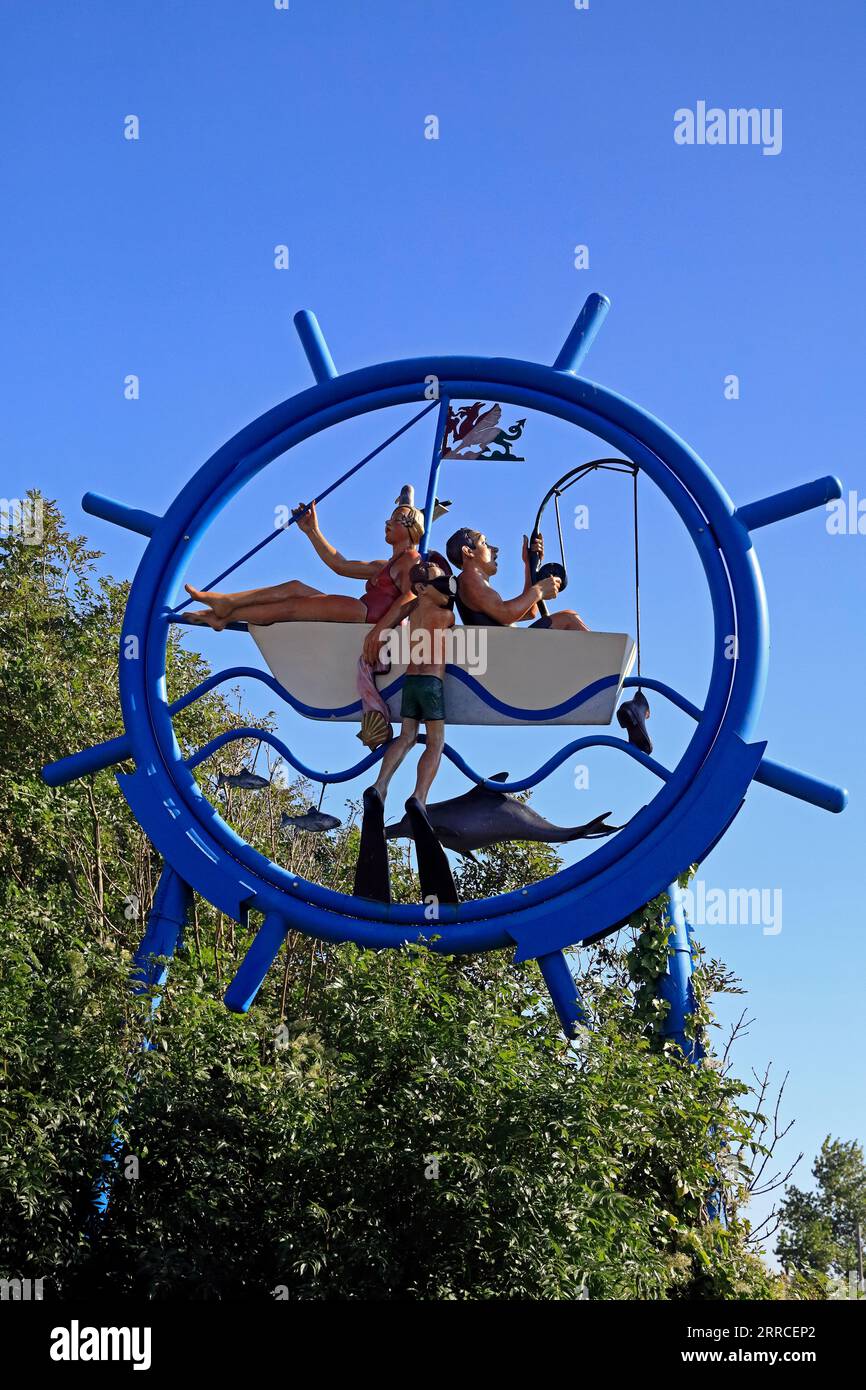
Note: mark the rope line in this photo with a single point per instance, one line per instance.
(278, 531)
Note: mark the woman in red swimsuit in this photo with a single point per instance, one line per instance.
(387, 586)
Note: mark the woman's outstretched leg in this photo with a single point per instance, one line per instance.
(223, 605)
(318, 608)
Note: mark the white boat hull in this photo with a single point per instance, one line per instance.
(526, 673)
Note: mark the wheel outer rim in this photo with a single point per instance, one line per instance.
(724, 548)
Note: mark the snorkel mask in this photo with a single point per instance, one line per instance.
(445, 584)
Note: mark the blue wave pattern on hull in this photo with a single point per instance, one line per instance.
(531, 716)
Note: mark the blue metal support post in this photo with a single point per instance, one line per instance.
(433, 480)
(791, 502)
(583, 333)
(676, 985)
(131, 518)
(163, 933)
(317, 352)
(263, 951)
(563, 991)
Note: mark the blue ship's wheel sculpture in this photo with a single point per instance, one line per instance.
(693, 808)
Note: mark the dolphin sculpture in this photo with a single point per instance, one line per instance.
(484, 817)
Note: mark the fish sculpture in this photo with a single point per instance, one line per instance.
(246, 780)
(485, 816)
(313, 821)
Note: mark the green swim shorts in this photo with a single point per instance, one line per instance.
(423, 698)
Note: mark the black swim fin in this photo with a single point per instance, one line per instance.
(434, 871)
(372, 878)
(632, 716)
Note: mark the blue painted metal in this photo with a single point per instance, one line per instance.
(696, 823)
(100, 1193)
(314, 345)
(690, 812)
(164, 931)
(532, 716)
(107, 754)
(95, 759)
(568, 397)
(647, 683)
(327, 713)
(433, 480)
(117, 749)
(103, 755)
(348, 774)
(144, 523)
(791, 502)
(801, 785)
(254, 673)
(577, 745)
(676, 986)
(563, 991)
(177, 834)
(583, 334)
(523, 916)
(255, 965)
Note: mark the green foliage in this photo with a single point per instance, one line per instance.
(818, 1232)
(422, 1131)
(648, 961)
(393, 1125)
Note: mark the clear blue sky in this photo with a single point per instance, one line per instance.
(306, 127)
